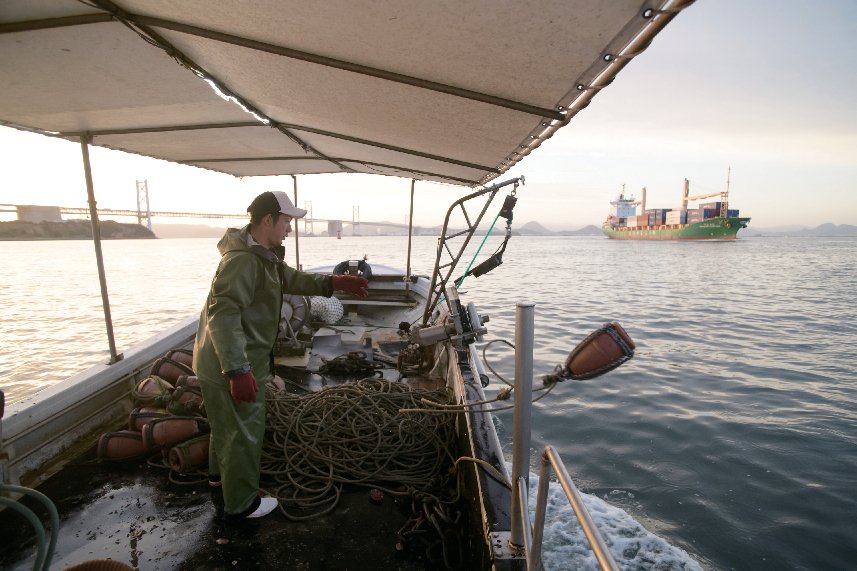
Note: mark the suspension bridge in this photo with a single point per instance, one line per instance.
(32, 213)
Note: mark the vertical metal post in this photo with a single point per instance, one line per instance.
(297, 249)
(524, 340)
(355, 220)
(410, 230)
(143, 194)
(534, 560)
(96, 238)
(308, 208)
(139, 202)
(148, 207)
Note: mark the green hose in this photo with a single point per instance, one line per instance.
(37, 525)
(45, 556)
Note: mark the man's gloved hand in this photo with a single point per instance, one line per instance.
(243, 387)
(351, 284)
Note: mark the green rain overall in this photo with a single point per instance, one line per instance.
(237, 330)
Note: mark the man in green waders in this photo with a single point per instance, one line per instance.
(233, 353)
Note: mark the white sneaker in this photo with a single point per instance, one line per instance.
(266, 506)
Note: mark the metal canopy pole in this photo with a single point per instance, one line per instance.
(96, 238)
(297, 249)
(524, 340)
(410, 230)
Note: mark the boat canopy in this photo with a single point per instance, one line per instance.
(449, 91)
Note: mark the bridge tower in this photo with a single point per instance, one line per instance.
(143, 196)
(355, 221)
(308, 219)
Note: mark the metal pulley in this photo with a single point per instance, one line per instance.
(294, 313)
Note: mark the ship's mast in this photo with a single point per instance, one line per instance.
(724, 212)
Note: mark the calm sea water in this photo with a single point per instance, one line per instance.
(732, 434)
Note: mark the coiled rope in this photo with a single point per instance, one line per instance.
(352, 434)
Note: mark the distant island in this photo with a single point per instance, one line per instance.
(71, 230)
(536, 229)
(170, 231)
(825, 230)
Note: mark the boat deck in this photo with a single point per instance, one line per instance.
(133, 513)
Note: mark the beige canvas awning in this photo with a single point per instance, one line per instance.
(448, 91)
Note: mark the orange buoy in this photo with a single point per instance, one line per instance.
(183, 356)
(601, 351)
(169, 369)
(141, 416)
(189, 455)
(120, 445)
(188, 380)
(153, 391)
(165, 431)
(186, 400)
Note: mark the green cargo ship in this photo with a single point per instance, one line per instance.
(713, 221)
(712, 229)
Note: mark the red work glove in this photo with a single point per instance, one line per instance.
(351, 284)
(243, 387)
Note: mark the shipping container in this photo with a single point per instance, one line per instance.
(732, 213)
(657, 211)
(711, 205)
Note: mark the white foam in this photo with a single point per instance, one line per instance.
(634, 548)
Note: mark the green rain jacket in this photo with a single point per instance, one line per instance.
(240, 321)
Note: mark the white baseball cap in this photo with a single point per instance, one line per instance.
(274, 201)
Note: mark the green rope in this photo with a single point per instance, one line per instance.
(440, 300)
(480, 248)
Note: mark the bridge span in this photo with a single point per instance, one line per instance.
(32, 213)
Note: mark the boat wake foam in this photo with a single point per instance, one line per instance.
(633, 547)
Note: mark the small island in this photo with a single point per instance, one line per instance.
(20, 230)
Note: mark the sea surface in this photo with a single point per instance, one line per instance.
(728, 442)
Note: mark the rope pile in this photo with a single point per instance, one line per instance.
(352, 433)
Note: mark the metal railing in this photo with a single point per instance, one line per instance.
(521, 533)
(533, 540)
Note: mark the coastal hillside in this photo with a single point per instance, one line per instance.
(71, 230)
(536, 229)
(827, 229)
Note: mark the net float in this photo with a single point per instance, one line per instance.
(189, 455)
(121, 445)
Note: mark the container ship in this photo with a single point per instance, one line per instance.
(710, 221)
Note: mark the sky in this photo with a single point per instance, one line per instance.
(766, 88)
